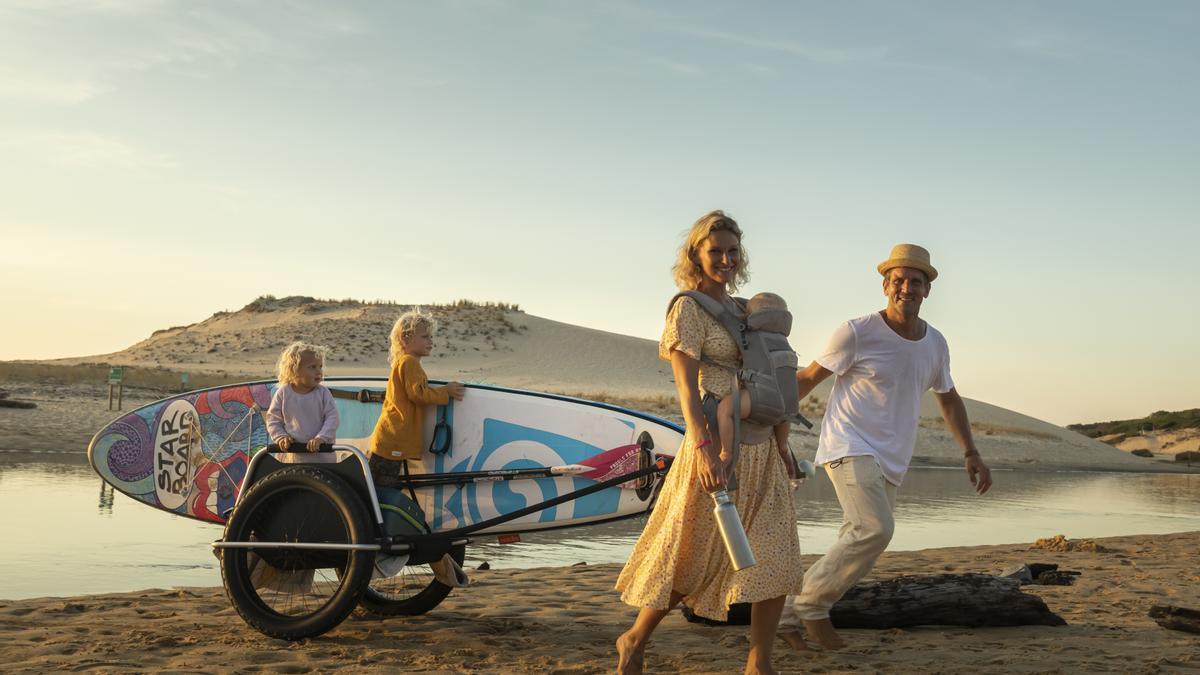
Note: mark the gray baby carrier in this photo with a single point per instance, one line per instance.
(768, 368)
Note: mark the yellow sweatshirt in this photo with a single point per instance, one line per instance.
(397, 434)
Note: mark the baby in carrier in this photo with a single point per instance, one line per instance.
(766, 313)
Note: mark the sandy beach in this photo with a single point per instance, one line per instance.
(564, 620)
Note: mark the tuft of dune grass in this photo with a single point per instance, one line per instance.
(660, 404)
(988, 429)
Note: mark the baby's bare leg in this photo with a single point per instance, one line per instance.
(725, 424)
(725, 418)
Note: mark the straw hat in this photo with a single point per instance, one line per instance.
(908, 255)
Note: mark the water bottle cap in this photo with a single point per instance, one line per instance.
(806, 467)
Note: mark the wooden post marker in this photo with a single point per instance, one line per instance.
(116, 376)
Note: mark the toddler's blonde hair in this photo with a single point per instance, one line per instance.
(408, 324)
(288, 368)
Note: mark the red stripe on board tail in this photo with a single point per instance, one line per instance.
(613, 463)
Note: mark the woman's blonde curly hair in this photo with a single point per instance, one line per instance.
(288, 368)
(408, 324)
(687, 271)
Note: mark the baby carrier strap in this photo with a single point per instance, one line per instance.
(733, 324)
(736, 327)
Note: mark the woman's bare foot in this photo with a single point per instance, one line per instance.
(758, 663)
(821, 631)
(794, 639)
(630, 655)
(752, 669)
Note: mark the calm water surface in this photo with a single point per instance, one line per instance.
(65, 533)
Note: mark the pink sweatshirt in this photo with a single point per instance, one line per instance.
(302, 416)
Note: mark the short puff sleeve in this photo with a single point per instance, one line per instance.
(684, 330)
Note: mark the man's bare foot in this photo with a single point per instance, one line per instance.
(794, 639)
(630, 655)
(821, 631)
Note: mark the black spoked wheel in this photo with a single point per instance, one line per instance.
(297, 593)
(413, 591)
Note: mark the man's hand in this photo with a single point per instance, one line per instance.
(314, 444)
(284, 443)
(979, 473)
(456, 390)
(955, 412)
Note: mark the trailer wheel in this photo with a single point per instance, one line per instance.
(413, 591)
(297, 593)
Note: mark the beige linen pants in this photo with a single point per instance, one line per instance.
(867, 500)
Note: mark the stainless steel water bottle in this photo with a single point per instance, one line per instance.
(732, 532)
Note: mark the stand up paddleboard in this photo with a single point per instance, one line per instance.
(188, 454)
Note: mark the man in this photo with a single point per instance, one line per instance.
(884, 363)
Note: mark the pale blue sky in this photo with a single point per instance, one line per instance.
(160, 161)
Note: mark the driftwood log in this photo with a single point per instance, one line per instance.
(1176, 618)
(13, 403)
(932, 600)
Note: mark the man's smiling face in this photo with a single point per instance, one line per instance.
(905, 289)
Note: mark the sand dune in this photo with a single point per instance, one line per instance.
(474, 342)
(499, 344)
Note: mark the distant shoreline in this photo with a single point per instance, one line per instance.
(72, 402)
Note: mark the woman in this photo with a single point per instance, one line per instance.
(680, 555)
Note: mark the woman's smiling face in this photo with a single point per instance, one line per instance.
(719, 257)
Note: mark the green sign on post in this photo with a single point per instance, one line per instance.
(115, 375)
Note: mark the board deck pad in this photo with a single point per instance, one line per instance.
(188, 454)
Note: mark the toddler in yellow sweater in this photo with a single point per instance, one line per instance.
(397, 435)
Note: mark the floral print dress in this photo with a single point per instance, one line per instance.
(680, 548)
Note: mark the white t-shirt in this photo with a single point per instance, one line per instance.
(876, 398)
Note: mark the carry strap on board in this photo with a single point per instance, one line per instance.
(442, 431)
(362, 395)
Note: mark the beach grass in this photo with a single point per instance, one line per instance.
(991, 429)
(661, 404)
(162, 379)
